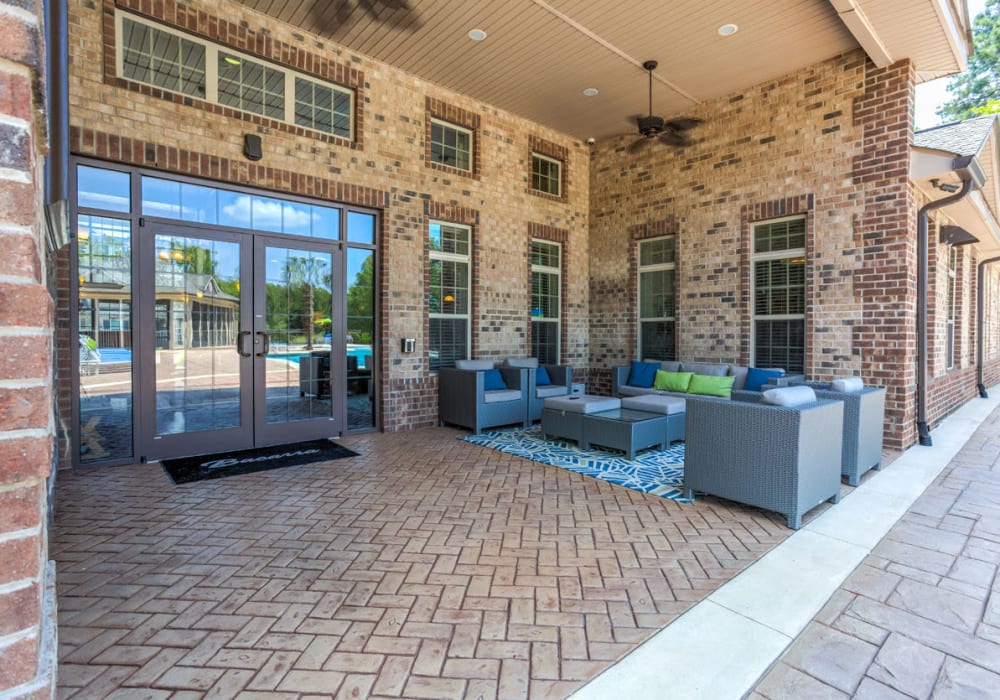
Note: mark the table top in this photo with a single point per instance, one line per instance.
(626, 415)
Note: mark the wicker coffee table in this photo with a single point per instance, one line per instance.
(625, 429)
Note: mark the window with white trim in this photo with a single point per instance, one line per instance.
(952, 304)
(546, 174)
(451, 145)
(778, 281)
(168, 59)
(448, 298)
(657, 298)
(546, 286)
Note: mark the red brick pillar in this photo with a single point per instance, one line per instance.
(886, 337)
(27, 602)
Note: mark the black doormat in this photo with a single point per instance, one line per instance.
(188, 469)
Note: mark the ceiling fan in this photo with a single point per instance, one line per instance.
(672, 133)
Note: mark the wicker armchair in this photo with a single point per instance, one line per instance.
(464, 401)
(562, 385)
(781, 458)
(864, 418)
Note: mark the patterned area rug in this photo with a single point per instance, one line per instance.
(660, 472)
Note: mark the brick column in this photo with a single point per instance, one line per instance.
(27, 619)
(886, 336)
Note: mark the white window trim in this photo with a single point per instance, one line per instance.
(472, 144)
(457, 257)
(952, 312)
(770, 255)
(557, 273)
(656, 267)
(212, 72)
(559, 166)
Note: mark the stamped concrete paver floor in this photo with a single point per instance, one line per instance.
(426, 567)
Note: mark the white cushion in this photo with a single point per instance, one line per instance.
(789, 396)
(474, 364)
(667, 405)
(847, 385)
(544, 392)
(499, 395)
(529, 362)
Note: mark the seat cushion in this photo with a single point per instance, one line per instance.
(501, 395)
(544, 392)
(627, 390)
(642, 374)
(757, 378)
(667, 405)
(582, 403)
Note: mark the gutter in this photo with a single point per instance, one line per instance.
(57, 96)
(980, 284)
(970, 172)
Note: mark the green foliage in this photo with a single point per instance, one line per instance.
(977, 91)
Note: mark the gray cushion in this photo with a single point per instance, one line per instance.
(847, 384)
(789, 396)
(705, 369)
(473, 364)
(582, 403)
(529, 362)
(543, 392)
(741, 376)
(667, 405)
(499, 395)
(626, 390)
(670, 366)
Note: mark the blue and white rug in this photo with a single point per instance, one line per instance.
(659, 472)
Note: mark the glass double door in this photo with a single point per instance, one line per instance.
(243, 346)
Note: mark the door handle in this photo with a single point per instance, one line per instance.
(241, 343)
(267, 344)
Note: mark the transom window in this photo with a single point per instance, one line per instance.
(173, 61)
(448, 297)
(546, 174)
(778, 268)
(546, 283)
(657, 299)
(451, 145)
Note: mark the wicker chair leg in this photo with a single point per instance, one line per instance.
(794, 521)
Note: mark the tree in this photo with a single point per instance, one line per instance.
(977, 91)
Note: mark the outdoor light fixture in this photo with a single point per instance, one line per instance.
(477, 34)
(590, 92)
(728, 29)
(251, 147)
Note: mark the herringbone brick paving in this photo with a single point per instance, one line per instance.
(427, 567)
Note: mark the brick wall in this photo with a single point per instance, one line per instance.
(26, 320)
(830, 142)
(385, 167)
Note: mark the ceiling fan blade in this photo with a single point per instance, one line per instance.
(639, 144)
(683, 123)
(673, 138)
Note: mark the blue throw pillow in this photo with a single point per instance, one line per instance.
(757, 378)
(542, 377)
(493, 380)
(642, 374)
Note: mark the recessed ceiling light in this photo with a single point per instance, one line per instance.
(590, 92)
(727, 29)
(477, 34)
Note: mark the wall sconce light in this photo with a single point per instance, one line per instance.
(251, 147)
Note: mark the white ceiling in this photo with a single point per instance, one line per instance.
(540, 55)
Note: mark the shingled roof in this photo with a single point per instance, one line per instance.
(964, 138)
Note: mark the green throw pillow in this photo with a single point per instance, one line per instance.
(672, 381)
(711, 386)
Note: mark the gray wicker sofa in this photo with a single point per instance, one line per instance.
(780, 458)
(620, 386)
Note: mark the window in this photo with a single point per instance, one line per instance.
(952, 304)
(545, 301)
(449, 294)
(161, 58)
(167, 59)
(451, 145)
(778, 268)
(546, 174)
(657, 297)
